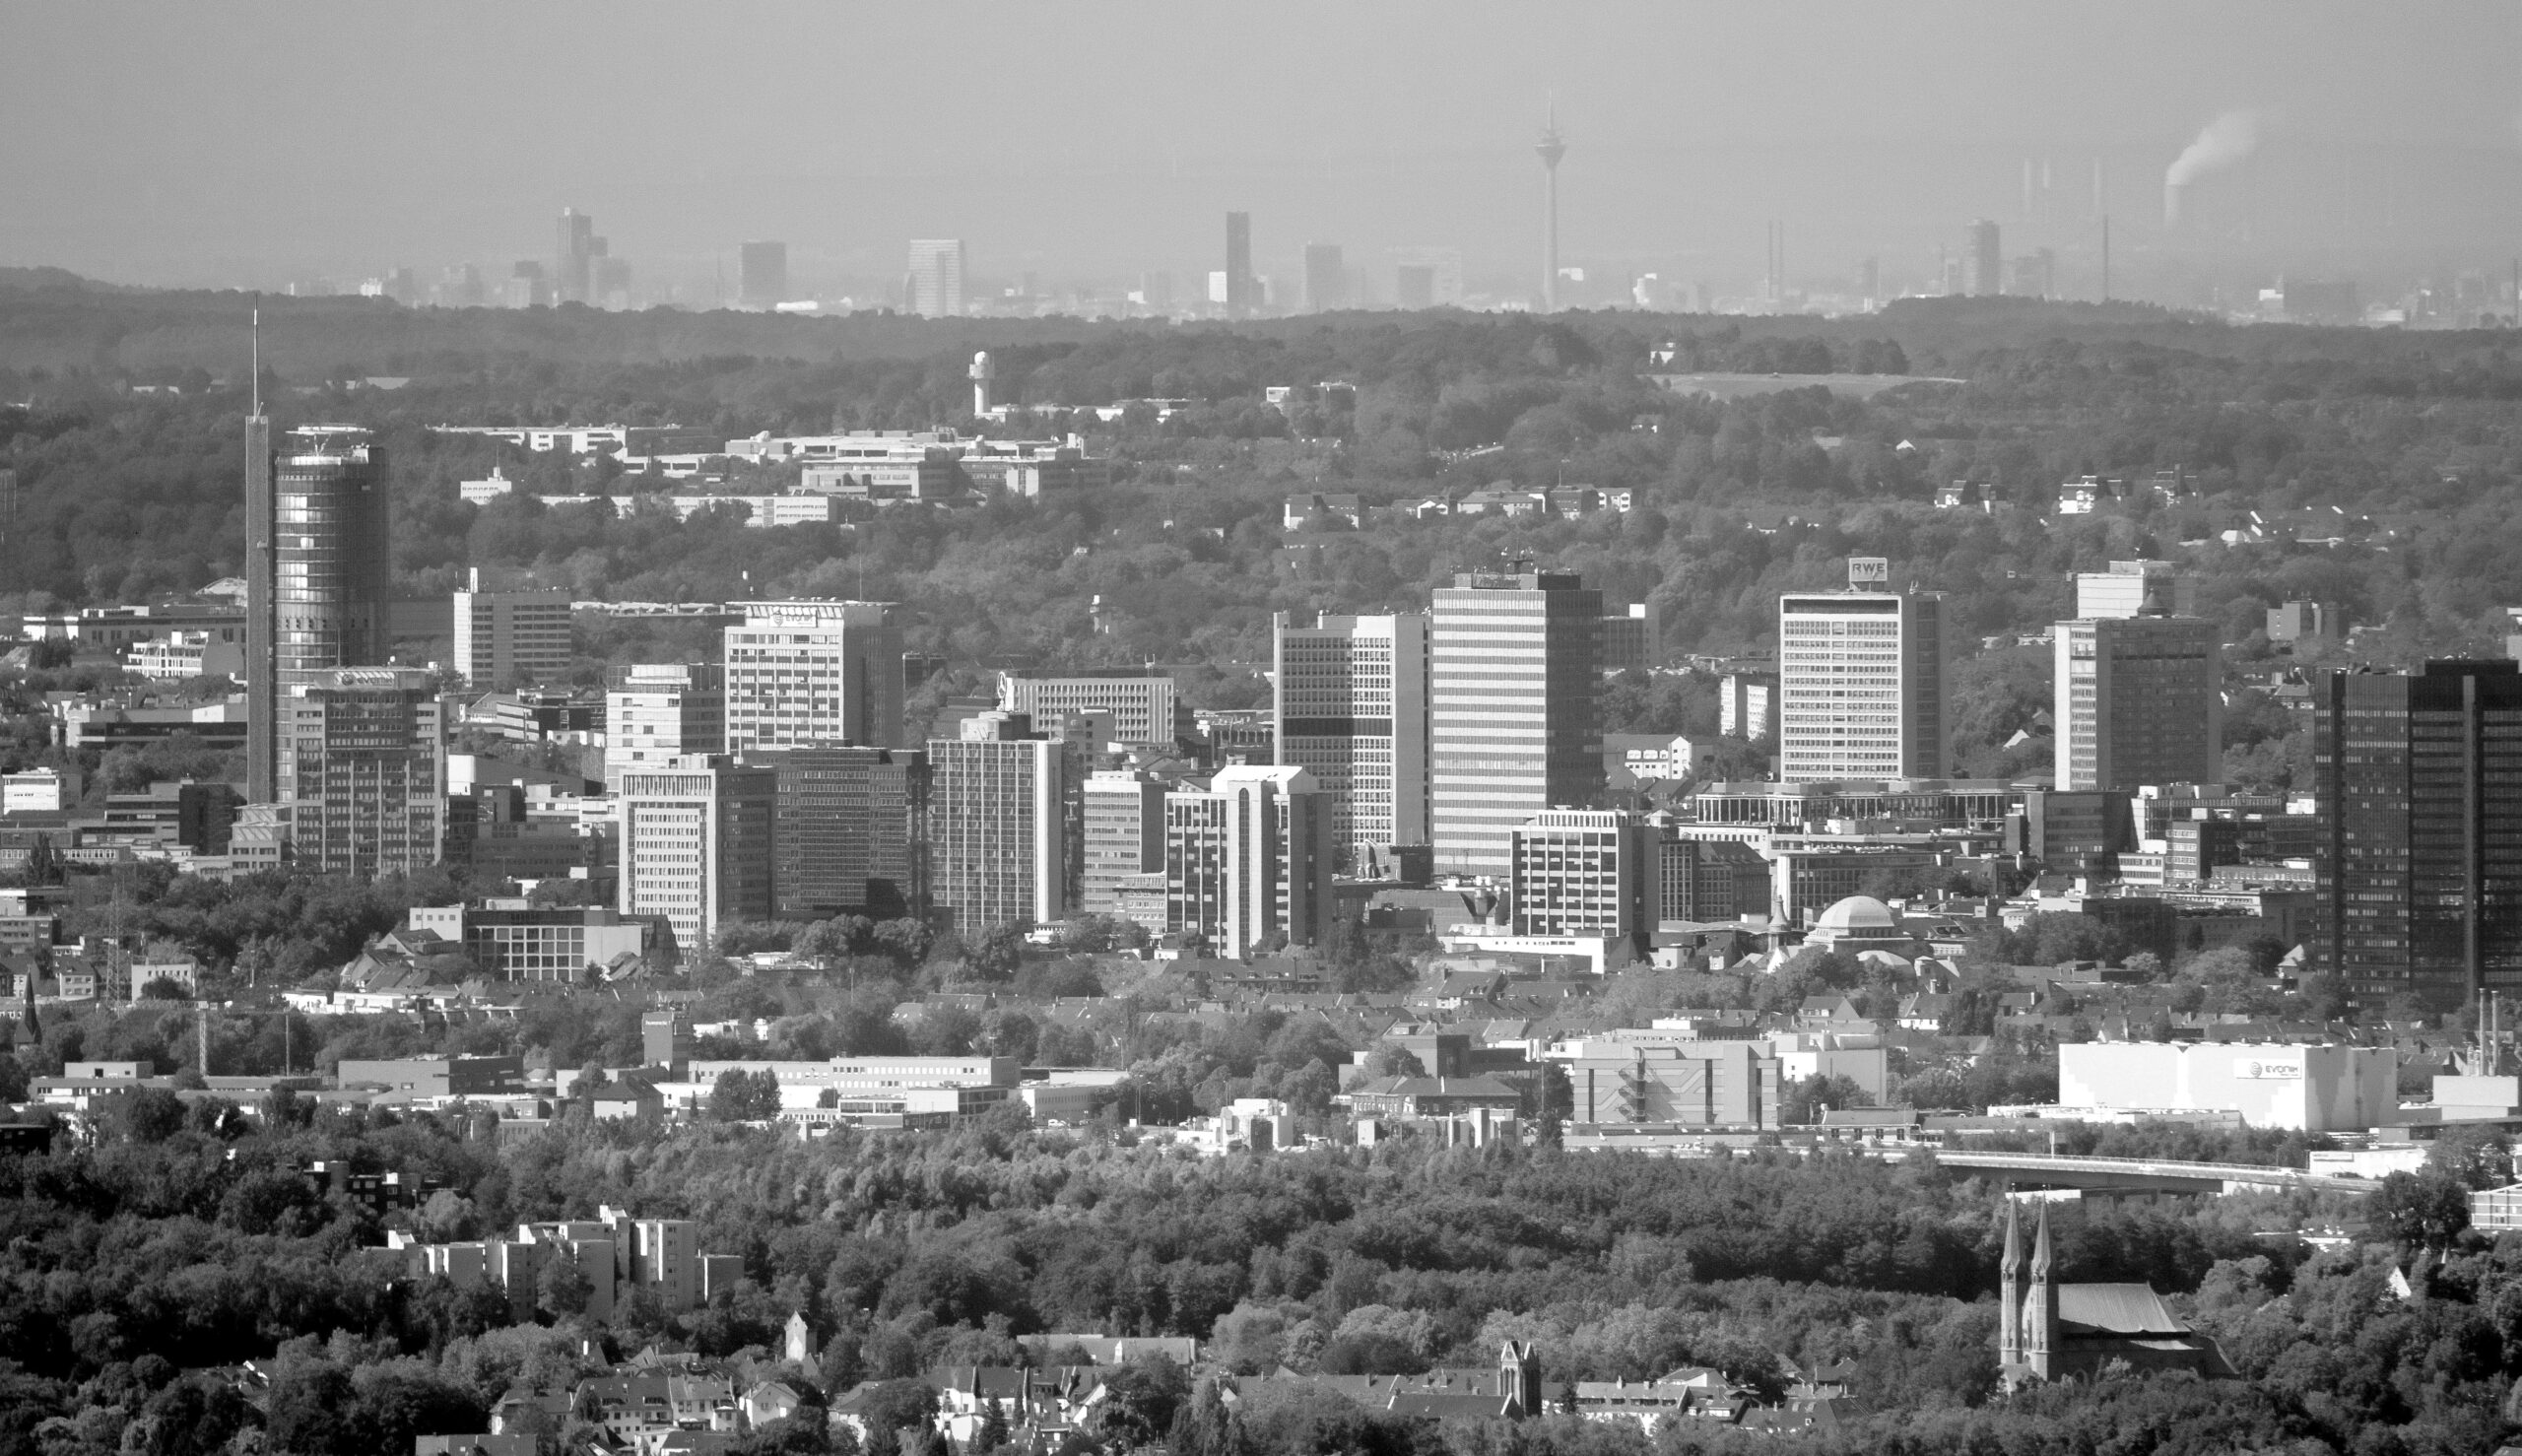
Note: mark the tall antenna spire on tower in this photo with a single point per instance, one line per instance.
(254, 331)
(1550, 147)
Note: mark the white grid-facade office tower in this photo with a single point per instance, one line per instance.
(1124, 835)
(655, 712)
(815, 672)
(1513, 709)
(996, 824)
(1352, 709)
(1862, 687)
(361, 755)
(696, 845)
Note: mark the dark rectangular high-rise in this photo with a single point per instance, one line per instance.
(2418, 870)
(573, 259)
(1238, 265)
(844, 832)
(1983, 265)
(1326, 283)
(761, 274)
(319, 571)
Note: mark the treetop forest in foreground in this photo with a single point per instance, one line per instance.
(190, 1240)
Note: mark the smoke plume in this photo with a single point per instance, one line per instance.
(2226, 140)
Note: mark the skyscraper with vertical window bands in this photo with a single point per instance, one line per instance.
(319, 571)
(1514, 709)
(2419, 869)
(1351, 701)
(362, 758)
(998, 835)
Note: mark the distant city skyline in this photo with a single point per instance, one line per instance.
(2367, 142)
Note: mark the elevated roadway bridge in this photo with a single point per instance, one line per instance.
(2138, 1174)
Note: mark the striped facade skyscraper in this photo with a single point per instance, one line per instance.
(1514, 709)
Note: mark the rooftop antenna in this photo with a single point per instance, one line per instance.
(254, 331)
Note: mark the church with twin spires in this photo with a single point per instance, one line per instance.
(2049, 1331)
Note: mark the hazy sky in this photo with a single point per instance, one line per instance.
(236, 143)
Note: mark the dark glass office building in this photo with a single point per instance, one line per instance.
(844, 836)
(2420, 860)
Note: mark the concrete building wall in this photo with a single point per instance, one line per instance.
(2306, 1088)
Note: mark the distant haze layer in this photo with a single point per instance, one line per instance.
(219, 146)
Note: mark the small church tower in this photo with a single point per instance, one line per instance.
(2040, 1305)
(2010, 1294)
(1519, 1375)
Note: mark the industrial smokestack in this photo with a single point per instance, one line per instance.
(2226, 140)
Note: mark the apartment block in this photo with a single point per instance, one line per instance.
(998, 832)
(1248, 861)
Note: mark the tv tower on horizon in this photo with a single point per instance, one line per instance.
(1550, 147)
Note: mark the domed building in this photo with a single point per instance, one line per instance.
(1862, 923)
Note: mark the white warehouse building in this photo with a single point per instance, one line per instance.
(2306, 1088)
